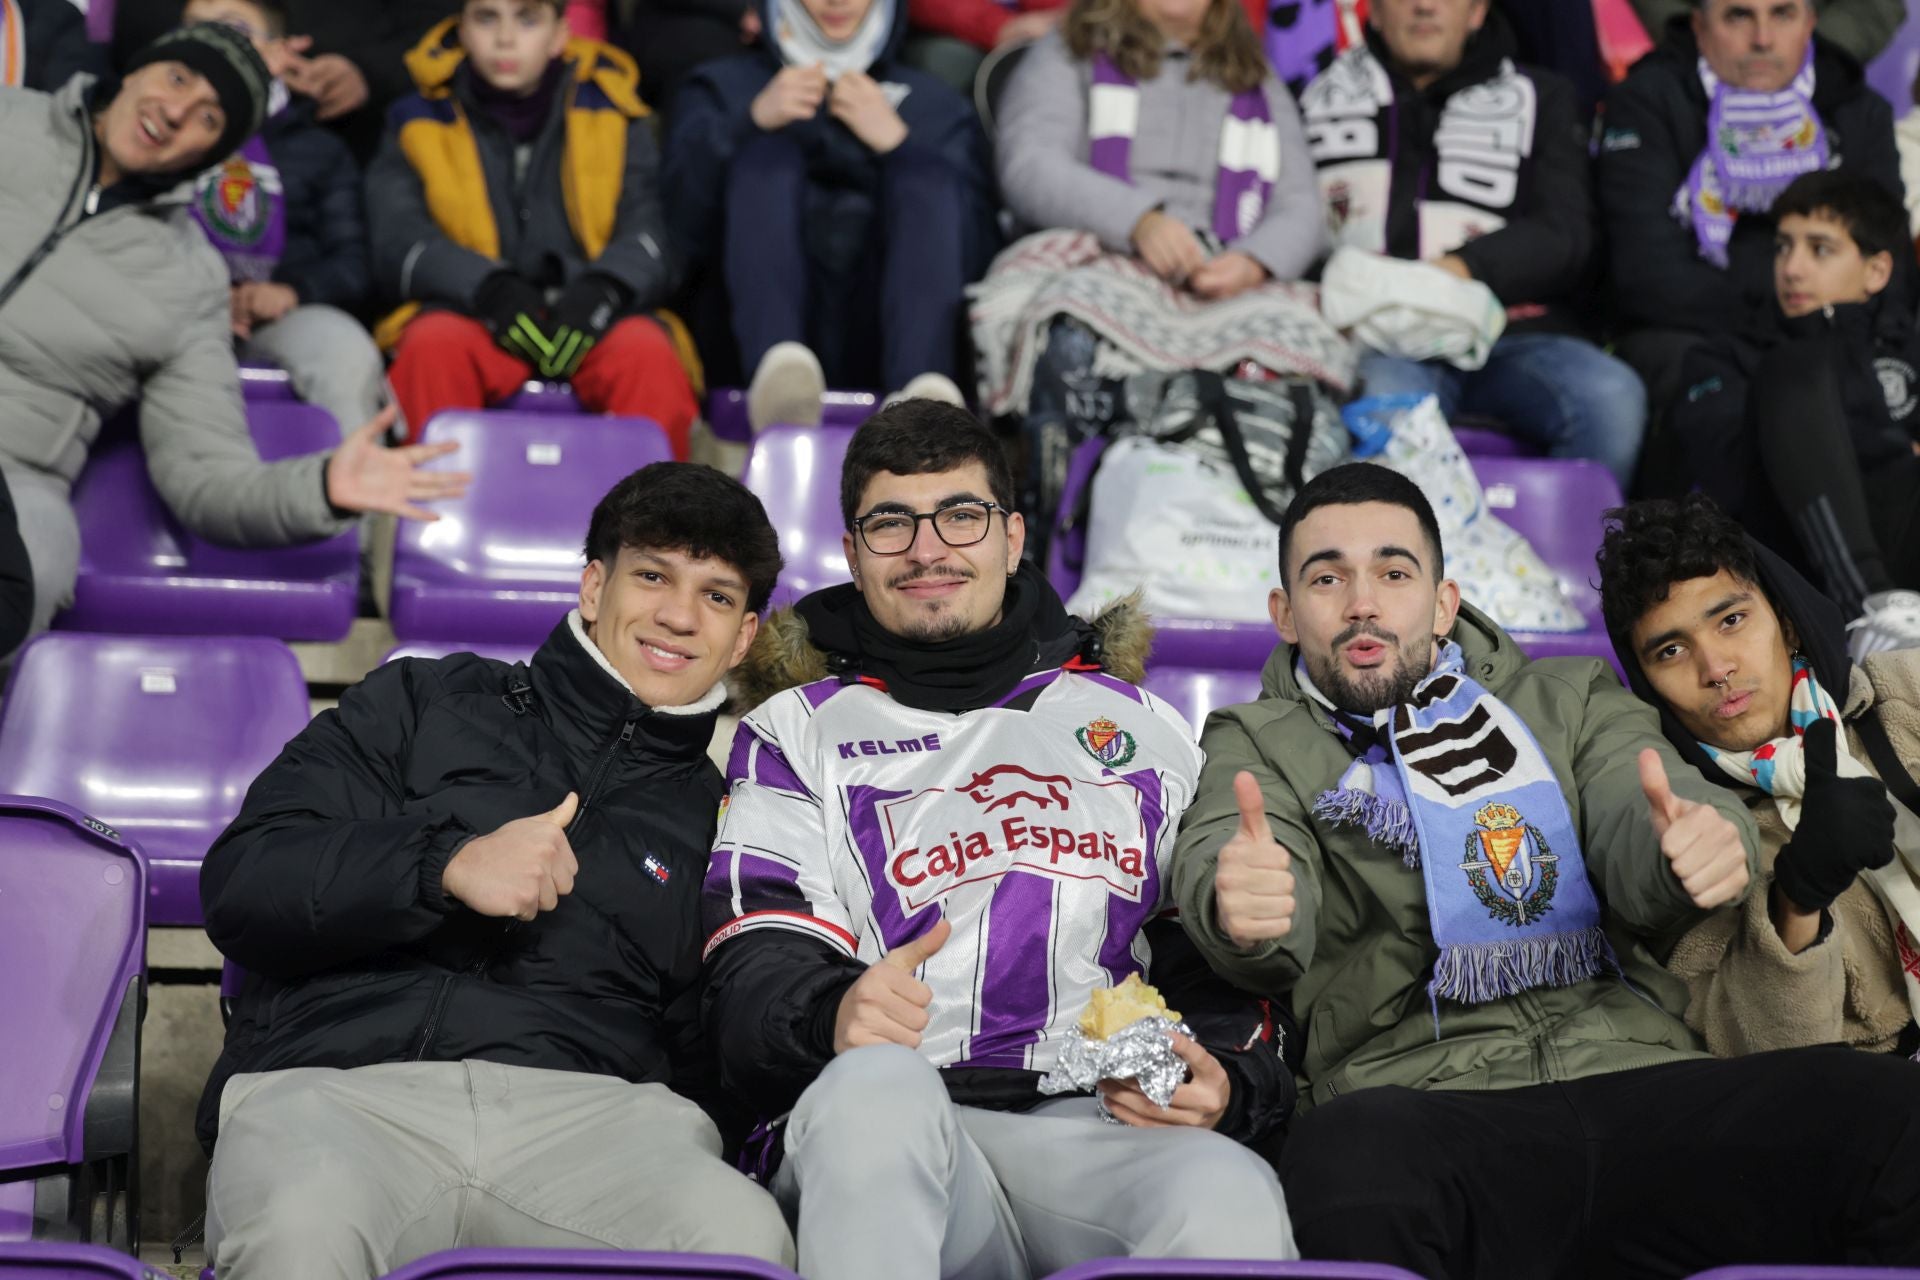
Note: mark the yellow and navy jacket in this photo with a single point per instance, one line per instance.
(451, 203)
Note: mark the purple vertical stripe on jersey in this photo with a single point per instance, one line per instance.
(767, 884)
(1126, 919)
(1116, 684)
(869, 831)
(1013, 990)
(767, 766)
(1034, 681)
(743, 739)
(819, 691)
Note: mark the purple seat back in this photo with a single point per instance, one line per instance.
(447, 648)
(727, 411)
(262, 382)
(503, 563)
(795, 472)
(544, 397)
(1481, 442)
(1201, 1269)
(159, 737)
(143, 573)
(73, 947)
(566, 1264)
(1196, 694)
(45, 1260)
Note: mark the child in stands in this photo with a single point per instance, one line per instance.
(285, 212)
(521, 226)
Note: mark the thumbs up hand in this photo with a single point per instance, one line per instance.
(1253, 880)
(1703, 848)
(888, 1005)
(520, 870)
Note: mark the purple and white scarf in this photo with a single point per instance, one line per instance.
(1249, 157)
(242, 207)
(1455, 783)
(1757, 143)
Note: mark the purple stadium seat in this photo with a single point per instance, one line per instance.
(1194, 694)
(159, 737)
(263, 382)
(142, 573)
(73, 948)
(727, 411)
(544, 397)
(443, 648)
(46, 1260)
(1200, 1269)
(795, 472)
(1480, 442)
(503, 563)
(568, 1264)
(1556, 503)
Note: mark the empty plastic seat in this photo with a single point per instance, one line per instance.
(1201, 1269)
(46, 1260)
(159, 737)
(261, 382)
(503, 563)
(1196, 694)
(1558, 505)
(566, 1264)
(544, 397)
(444, 648)
(73, 949)
(795, 472)
(141, 572)
(727, 411)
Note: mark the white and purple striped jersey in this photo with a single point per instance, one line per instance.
(1040, 834)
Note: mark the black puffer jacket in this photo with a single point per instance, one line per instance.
(1654, 128)
(326, 257)
(327, 887)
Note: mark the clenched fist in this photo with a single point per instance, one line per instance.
(520, 870)
(1253, 881)
(888, 1005)
(1703, 848)
(794, 94)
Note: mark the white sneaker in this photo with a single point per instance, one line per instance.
(788, 387)
(1891, 621)
(929, 386)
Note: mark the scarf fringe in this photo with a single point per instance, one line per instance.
(1384, 821)
(1476, 972)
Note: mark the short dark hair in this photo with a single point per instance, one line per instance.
(688, 507)
(917, 438)
(1350, 484)
(1872, 215)
(1651, 544)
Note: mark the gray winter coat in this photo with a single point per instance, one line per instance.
(1041, 143)
(130, 303)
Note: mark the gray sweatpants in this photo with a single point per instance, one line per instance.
(886, 1178)
(323, 1174)
(330, 360)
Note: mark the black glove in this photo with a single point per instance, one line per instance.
(510, 307)
(1846, 827)
(585, 311)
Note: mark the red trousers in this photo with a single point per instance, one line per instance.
(449, 361)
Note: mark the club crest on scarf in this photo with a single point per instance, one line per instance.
(240, 206)
(1454, 768)
(1510, 866)
(1107, 742)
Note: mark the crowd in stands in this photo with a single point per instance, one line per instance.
(507, 967)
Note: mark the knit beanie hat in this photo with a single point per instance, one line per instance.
(233, 67)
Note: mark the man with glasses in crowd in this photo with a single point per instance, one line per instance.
(947, 828)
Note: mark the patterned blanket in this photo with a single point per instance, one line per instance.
(1143, 322)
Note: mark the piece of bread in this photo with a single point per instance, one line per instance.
(1112, 1008)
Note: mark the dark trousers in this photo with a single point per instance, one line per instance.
(907, 292)
(1859, 529)
(1799, 1156)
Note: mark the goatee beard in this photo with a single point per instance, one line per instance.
(1373, 691)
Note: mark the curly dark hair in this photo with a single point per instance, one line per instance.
(691, 508)
(917, 438)
(1652, 544)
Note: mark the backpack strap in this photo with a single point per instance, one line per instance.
(1886, 760)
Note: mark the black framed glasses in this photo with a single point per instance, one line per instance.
(959, 524)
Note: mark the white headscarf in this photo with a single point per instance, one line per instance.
(802, 43)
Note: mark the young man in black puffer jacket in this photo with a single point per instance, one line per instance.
(468, 901)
